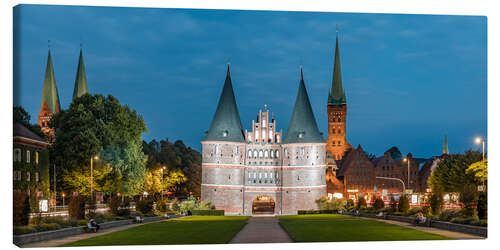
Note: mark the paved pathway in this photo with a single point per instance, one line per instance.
(73, 238)
(433, 230)
(262, 229)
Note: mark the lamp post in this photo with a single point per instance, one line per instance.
(394, 179)
(63, 195)
(92, 176)
(478, 141)
(408, 160)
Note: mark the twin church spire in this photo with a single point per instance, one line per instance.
(336, 95)
(50, 104)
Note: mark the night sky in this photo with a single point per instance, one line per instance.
(409, 79)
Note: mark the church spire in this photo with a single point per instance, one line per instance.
(302, 127)
(226, 124)
(50, 96)
(337, 95)
(81, 79)
(445, 146)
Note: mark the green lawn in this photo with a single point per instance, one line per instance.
(334, 228)
(189, 230)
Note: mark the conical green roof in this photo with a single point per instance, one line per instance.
(81, 79)
(445, 146)
(226, 124)
(50, 96)
(338, 92)
(302, 127)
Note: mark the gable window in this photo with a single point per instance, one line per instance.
(28, 156)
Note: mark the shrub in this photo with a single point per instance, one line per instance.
(144, 206)
(414, 210)
(404, 204)
(161, 206)
(361, 203)
(124, 211)
(436, 201)
(393, 204)
(207, 212)
(24, 229)
(378, 204)
(81, 222)
(481, 223)
(91, 209)
(426, 211)
(174, 206)
(468, 197)
(349, 205)
(204, 205)
(449, 214)
(187, 206)
(114, 203)
(76, 208)
(334, 204)
(49, 226)
(21, 209)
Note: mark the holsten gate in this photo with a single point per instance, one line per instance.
(260, 171)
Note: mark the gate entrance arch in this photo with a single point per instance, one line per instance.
(263, 205)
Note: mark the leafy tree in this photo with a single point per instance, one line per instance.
(76, 208)
(97, 125)
(482, 206)
(476, 170)
(155, 183)
(469, 197)
(21, 209)
(450, 175)
(349, 205)
(393, 204)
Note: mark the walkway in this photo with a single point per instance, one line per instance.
(262, 229)
(446, 233)
(73, 238)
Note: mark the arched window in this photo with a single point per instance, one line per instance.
(264, 133)
(216, 149)
(255, 153)
(264, 123)
(28, 156)
(36, 157)
(249, 153)
(266, 154)
(249, 137)
(257, 135)
(272, 153)
(261, 154)
(277, 154)
(17, 154)
(286, 152)
(278, 138)
(270, 134)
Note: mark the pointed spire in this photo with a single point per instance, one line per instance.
(302, 127)
(81, 78)
(337, 92)
(445, 146)
(226, 124)
(50, 96)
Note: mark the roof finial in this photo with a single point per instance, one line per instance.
(301, 74)
(48, 44)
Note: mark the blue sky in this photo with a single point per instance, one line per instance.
(409, 79)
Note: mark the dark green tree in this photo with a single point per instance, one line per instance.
(21, 116)
(378, 204)
(469, 197)
(436, 202)
(450, 174)
(361, 203)
(404, 204)
(95, 125)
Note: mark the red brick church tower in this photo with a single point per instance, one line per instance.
(49, 104)
(336, 143)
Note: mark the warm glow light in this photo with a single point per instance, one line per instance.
(478, 140)
(404, 159)
(96, 157)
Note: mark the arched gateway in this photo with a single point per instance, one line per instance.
(263, 205)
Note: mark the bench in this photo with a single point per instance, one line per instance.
(88, 229)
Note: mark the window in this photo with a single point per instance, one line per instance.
(237, 150)
(302, 151)
(266, 154)
(249, 137)
(272, 153)
(36, 157)
(28, 156)
(249, 153)
(278, 138)
(277, 153)
(255, 154)
(257, 135)
(271, 134)
(28, 176)
(261, 154)
(17, 154)
(36, 177)
(286, 152)
(216, 149)
(264, 123)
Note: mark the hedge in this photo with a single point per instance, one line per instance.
(317, 211)
(207, 212)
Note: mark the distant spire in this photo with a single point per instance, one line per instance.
(337, 93)
(50, 96)
(445, 146)
(301, 74)
(81, 87)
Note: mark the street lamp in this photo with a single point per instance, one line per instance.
(408, 160)
(92, 176)
(394, 179)
(478, 141)
(63, 195)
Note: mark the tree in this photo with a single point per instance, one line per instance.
(361, 203)
(155, 183)
(393, 204)
(404, 204)
(97, 125)
(476, 170)
(450, 175)
(20, 115)
(436, 202)
(379, 203)
(469, 197)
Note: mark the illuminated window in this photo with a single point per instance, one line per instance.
(266, 154)
(36, 157)
(28, 156)
(17, 154)
(249, 153)
(277, 153)
(272, 153)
